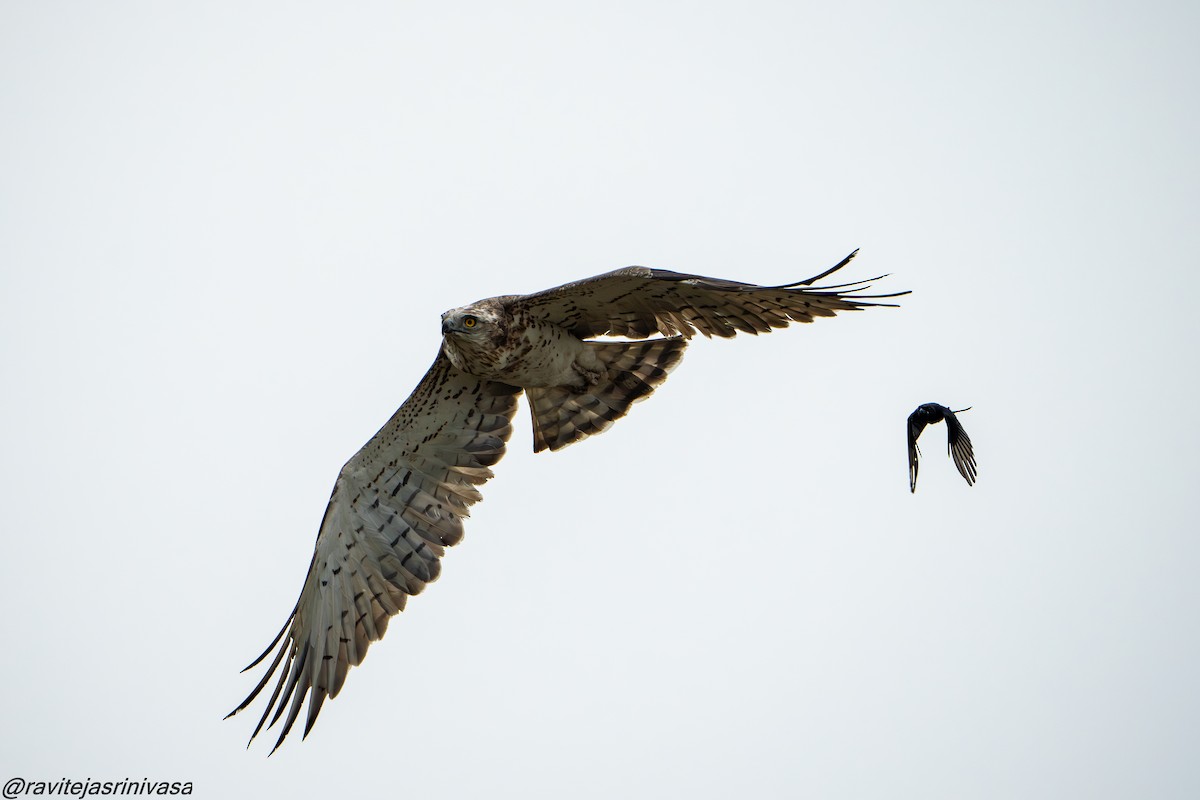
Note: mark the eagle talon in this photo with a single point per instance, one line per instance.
(591, 377)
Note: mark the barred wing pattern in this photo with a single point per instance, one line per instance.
(637, 302)
(397, 504)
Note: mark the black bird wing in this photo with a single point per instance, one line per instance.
(916, 423)
(959, 445)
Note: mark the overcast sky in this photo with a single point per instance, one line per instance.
(227, 231)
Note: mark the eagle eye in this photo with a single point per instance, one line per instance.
(469, 321)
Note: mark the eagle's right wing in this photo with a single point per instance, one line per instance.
(397, 504)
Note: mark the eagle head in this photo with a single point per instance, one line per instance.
(472, 336)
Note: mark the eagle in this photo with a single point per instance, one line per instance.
(400, 501)
(957, 441)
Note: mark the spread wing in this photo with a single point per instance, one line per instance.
(397, 504)
(959, 445)
(916, 423)
(637, 302)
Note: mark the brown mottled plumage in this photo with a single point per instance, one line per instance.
(399, 502)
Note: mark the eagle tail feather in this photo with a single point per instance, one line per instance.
(563, 415)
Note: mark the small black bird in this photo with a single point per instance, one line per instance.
(959, 443)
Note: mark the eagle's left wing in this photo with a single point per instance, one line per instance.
(637, 302)
(397, 504)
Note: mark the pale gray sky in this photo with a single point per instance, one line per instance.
(227, 231)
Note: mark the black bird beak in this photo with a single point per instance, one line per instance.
(446, 327)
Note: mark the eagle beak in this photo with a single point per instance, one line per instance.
(446, 327)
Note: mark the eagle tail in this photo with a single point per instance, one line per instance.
(563, 415)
